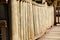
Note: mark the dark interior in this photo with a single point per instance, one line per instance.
(4, 16)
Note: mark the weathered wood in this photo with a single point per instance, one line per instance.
(30, 21)
(45, 19)
(27, 32)
(14, 12)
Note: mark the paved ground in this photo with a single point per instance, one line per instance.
(52, 34)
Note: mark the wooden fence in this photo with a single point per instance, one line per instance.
(30, 20)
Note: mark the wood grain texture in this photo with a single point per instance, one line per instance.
(14, 12)
(30, 21)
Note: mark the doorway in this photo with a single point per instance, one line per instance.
(4, 21)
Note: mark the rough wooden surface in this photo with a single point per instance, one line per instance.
(42, 19)
(30, 20)
(14, 12)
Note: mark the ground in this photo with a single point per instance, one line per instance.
(52, 34)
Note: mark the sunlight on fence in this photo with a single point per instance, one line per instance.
(31, 20)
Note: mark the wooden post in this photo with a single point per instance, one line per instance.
(54, 5)
(54, 15)
(14, 14)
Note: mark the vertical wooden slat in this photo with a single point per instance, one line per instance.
(14, 12)
(26, 23)
(19, 19)
(30, 22)
(40, 20)
(32, 28)
(35, 20)
(27, 32)
(22, 21)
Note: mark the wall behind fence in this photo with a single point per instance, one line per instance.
(31, 20)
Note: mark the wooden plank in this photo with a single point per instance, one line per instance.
(30, 22)
(22, 22)
(14, 13)
(26, 22)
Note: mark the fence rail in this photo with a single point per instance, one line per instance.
(30, 21)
